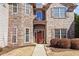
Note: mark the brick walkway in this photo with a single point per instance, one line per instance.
(39, 50)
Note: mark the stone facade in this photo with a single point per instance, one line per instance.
(53, 23)
(22, 21)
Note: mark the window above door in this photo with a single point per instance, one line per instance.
(39, 5)
(39, 15)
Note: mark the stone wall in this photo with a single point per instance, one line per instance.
(21, 21)
(53, 23)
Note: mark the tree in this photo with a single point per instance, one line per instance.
(76, 26)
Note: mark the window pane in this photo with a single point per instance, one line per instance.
(39, 15)
(27, 8)
(14, 7)
(63, 33)
(14, 39)
(62, 11)
(57, 33)
(27, 35)
(63, 36)
(55, 12)
(59, 12)
(14, 35)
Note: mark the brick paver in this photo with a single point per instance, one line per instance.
(39, 50)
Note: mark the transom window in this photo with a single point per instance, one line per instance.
(15, 7)
(27, 8)
(39, 5)
(14, 37)
(59, 12)
(60, 33)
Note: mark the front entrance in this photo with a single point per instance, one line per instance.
(39, 34)
(40, 37)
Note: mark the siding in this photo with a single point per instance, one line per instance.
(3, 25)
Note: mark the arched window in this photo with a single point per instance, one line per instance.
(39, 15)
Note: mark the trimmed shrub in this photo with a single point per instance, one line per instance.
(75, 43)
(53, 42)
(1, 49)
(64, 43)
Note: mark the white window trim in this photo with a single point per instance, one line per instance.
(58, 12)
(60, 34)
(28, 9)
(25, 35)
(14, 12)
(16, 36)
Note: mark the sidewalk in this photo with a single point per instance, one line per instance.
(39, 50)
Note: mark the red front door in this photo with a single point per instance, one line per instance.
(40, 37)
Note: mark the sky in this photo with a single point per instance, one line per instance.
(77, 10)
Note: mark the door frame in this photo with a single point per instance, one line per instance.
(35, 34)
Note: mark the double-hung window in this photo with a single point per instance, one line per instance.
(14, 36)
(57, 33)
(27, 35)
(59, 12)
(63, 33)
(60, 33)
(15, 8)
(27, 8)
